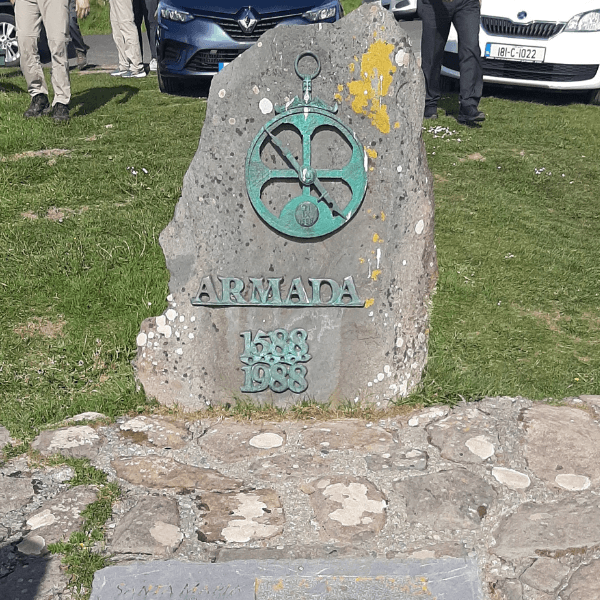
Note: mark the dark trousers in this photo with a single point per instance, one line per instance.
(437, 16)
(145, 10)
(74, 31)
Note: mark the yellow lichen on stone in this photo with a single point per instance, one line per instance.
(375, 274)
(396, 125)
(337, 97)
(370, 152)
(382, 216)
(376, 74)
(351, 66)
(340, 87)
(375, 238)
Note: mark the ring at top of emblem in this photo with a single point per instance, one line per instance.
(300, 57)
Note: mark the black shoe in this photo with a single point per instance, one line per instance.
(430, 112)
(60, 112)
(470, 117)
(39, 104)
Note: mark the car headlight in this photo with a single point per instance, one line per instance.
(320, 14)
(589, 21)
(172, 14)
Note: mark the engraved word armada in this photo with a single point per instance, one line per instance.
(273, 359)
(270, 292)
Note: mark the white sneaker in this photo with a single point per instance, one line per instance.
(129, 74)
(153, 65)
(118, 72)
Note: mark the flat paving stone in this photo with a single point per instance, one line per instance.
(232, 442)
(79, 441)
(583, 585)
(154, 431)
(562, 446)
(347, 509)
(342, 579)
(546, 575)
(36, 578)
(465, 436)
(160, 472)
(536, 527)
(151, 527)
(15, 492)
(241, 517)
(57, 519)
(456, 499)
(346, 435)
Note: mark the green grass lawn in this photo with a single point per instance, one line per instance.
(516, 310)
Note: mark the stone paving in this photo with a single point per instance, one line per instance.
(511, 485)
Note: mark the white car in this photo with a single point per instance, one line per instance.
(402, 9)
(537, 43)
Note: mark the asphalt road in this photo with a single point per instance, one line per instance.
(103, 53)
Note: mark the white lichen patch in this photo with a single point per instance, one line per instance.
(419, 227)
(141, 339)
(354, 501)
(572, 482)
(511, 479)
(480, 446)
(171, 314)
(241, 530)
(265, 106)
(266, 441)
(222, 93)
(41, 520)
(166, 534)
(165, 330)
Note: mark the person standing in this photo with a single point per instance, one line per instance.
(126, 39)
(54, 14)
(81, 47)
(145, 11)
(437, 17)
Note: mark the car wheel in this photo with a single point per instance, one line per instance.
(8, 40)
(168, 85)
(594, 97)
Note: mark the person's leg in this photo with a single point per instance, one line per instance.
(76, 37)
(29, 25)
(131, 44)
(118, 38)
(55, 14)
(151, 25)
(436, 27)
(466, 20)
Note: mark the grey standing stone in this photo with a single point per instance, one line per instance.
(4, 437)
(563, 446)
(447, 579)
(242, 517)
(190, 355)
(78, 442)
(583, 585)
(150, 527)
(15, 492)
(455, 499)
(546, 575)
(548, 527)
(160, 472)
(57, 519)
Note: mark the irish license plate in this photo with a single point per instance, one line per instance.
(520, 53)
(221, 65)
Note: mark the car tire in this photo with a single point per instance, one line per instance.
(594, 98)
(168, 85)
(8, 40)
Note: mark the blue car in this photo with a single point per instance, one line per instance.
(196, 39)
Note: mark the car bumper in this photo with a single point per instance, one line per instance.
(571, 62)
(199, 48)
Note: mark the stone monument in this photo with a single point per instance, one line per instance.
(301, 252)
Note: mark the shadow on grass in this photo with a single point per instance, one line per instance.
(91, 100)
(10, 87)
